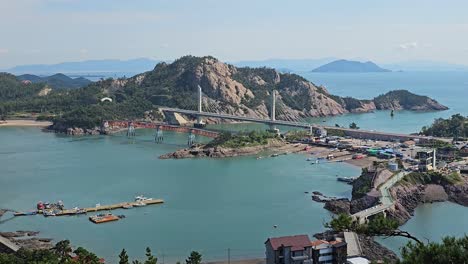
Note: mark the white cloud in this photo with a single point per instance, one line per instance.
(409, 45)
(84, 51)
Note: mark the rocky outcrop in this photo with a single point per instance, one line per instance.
(338, 206)
(408, 197)
(458, 193)
(363, 203)
(376, 252)
(204, 151)
(27, 239)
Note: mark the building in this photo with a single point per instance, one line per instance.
(300, 250)
(427, 160)
(333, 252)
(288, 250)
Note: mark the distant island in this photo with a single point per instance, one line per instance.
(350, 66)
(56, 81)
(87, 67)
(229, 89)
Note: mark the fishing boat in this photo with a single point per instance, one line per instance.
(345, 179)
(47, 213)
(25, 213)
(103, 218)
(139, 204)
(142, 198)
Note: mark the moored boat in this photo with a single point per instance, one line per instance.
(345, 179)
(103, 218)
(139, 204)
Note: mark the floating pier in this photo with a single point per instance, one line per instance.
(109, 207)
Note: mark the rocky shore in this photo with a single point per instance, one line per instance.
(274, 147)
(408, 197)
(27, 239)
(74, 131)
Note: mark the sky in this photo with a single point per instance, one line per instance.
(385, 31)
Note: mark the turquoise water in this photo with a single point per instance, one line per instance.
(211, 205)
(432, 222)
(448, 88)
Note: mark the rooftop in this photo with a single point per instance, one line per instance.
(297, 242)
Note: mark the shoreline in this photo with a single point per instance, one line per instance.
(24, 123)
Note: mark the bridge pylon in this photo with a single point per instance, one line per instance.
(199, 123)
(273, 112)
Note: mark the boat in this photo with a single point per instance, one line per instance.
(142, 198)
(25, 213)
(345, 179)
(139, 204)
(47, 213)
(127, 206)
(103, 218)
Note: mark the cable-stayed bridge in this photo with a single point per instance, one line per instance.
(203, 104)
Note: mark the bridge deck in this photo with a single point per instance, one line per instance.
(296, 124)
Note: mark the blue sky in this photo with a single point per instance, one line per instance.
(51, 31)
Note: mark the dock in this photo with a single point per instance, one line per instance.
(107, 207)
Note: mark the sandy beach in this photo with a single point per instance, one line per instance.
(24, 123)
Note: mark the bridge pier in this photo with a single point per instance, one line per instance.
(273, 128)
(191, 138)
(130, 130)
(159, 135)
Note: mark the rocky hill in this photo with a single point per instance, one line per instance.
(227, 89)
(247, 91)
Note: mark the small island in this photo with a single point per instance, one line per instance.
(350, 66)
(240, 144)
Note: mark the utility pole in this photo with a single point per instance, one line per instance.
(229, 255)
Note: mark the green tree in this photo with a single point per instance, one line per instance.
(194, 258)
(150, 259)
(123, 257)
(379, 225)
(85, 257)
(450, 250)
(63, 250)
(353, 126)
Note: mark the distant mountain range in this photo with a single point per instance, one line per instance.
(119, 68)
(87, 67)
(350, 66)
(56, 81)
